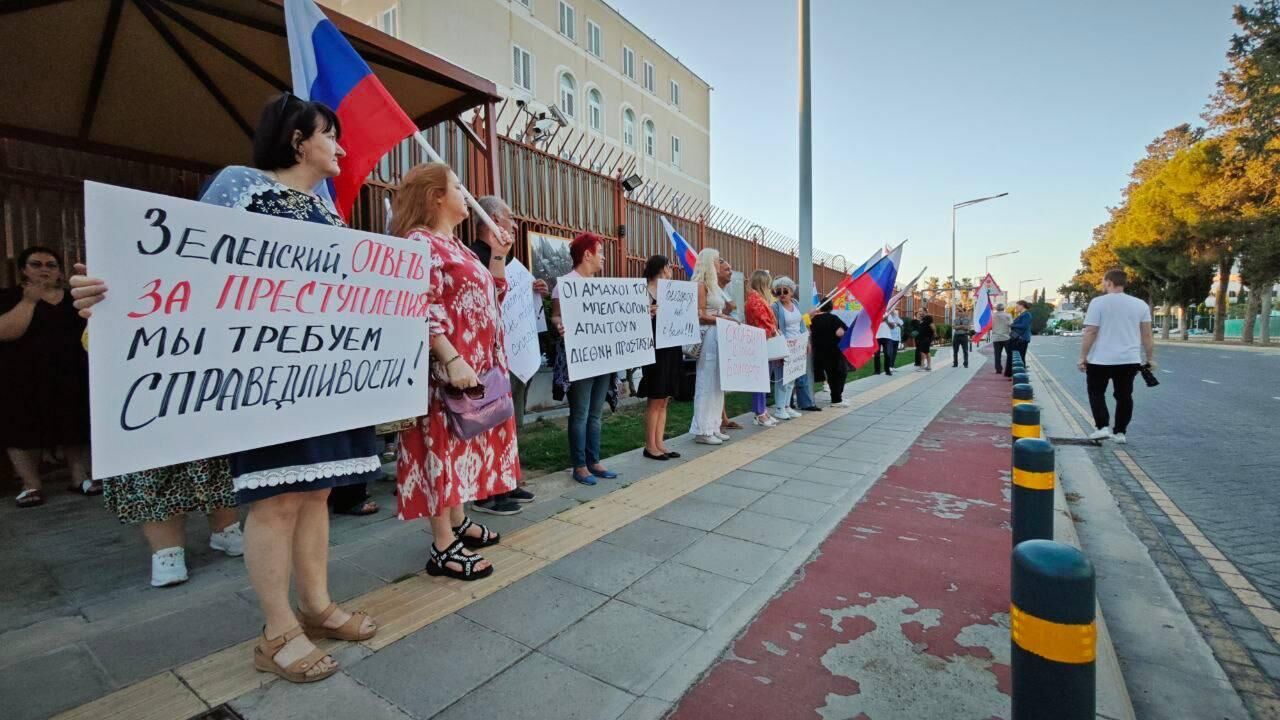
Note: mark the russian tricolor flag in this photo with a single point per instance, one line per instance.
(687, 256)
(873, 289)
(326, 69)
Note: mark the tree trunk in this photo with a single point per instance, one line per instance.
(1267, 298)
(1165, 321)
(1220, 297)
(1184, 322)
(1250, 312)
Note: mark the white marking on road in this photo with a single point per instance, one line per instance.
(1276, 398)
(1211, 382)
(1167, 372)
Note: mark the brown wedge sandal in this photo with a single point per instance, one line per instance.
(265, 651)
(349, 630)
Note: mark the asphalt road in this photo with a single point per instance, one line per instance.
(1209, 435)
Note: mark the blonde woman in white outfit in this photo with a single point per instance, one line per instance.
(711, 274)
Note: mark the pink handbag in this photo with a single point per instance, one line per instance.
(474, 410)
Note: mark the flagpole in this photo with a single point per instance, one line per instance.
(806, 163)
(471, 200)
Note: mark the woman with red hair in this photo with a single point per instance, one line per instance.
(586, 395)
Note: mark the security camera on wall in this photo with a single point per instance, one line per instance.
(559, 116)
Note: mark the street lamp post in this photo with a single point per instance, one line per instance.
(1022, 282)
(986, 265)
(952, 308)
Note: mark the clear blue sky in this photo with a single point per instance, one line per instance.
(919, 105)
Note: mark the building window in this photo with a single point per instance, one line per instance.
(522, 68)
(675, 151)
(648, 76)
(526, 3)
(595, 110)
(629, 128)
(387, 20)
(568, 94)
(594, 39)
(650, 138)
(675, 93)
(568, 21)
(628, 62)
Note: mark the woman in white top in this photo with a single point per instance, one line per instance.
(791, 325)
(710, 273)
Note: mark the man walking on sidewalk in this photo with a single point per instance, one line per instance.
(960, 341)
(887, 338)
(1000, 324)
(1117, 333)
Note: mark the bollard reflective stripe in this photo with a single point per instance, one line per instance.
(1033, 480)
(1026, 421)
(1025, 431)
(1059, 642)
(1017, 401)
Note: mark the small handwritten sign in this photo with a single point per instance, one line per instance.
(677, 314)
(519, 319)
(227, 330)
(744, 362)
(797, 360)
(606, 325)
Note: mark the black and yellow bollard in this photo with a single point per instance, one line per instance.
(1053, 631)
(1033, 480)
(1022, 393)
(1026, 421)
(1020, 376)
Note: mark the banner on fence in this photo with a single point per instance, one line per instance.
(677, 314)
(606, 325)
(227, 330)
(519, 320)
(797, 361)
(744, 362)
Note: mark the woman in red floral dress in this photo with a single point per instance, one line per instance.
(437, 472)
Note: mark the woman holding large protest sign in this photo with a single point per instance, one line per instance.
(587, 395)
(711, 273)
(295, 149)
(760, 314)
(791, 323)
(47, 373)
(659, 381)
(457, 452)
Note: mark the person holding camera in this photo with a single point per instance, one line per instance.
(1117, 335)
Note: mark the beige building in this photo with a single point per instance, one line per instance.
(608, 79)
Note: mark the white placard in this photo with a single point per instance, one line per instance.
(519, 310)
(227, 330)
(540, 319)
(606, 325)
(677, 314)
(744, 362)
(797, 360)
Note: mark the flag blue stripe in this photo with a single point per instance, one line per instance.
(339, 68)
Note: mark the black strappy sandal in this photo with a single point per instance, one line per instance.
(437, 564)
(486, 539)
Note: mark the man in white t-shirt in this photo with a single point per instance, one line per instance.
(1117, 335)
(887, 337)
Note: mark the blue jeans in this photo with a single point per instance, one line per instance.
(804, 394)
(586, 405)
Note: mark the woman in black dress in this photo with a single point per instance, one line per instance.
(660, 381)
(46, 376)
(924, 340)
(295, 149)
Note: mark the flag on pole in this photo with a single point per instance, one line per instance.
(817, 296)
(326, 69)
(983, 308)
(873, 289)
(683, 251)
(843, 287)
(897, 297)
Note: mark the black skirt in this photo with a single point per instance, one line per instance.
(662, 378)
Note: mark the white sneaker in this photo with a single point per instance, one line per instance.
(708, 440)
(767, 421)
(1119, 439)
(794, 412)
(169, 567)
(780, 414)
(1101, 434)
(722, 436)
(841, 404)
(229, 541)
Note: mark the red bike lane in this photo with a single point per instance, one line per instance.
(903, 613)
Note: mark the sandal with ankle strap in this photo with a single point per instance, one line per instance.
(437, 564)
(487, 536)
(265, 651)
(351, 630)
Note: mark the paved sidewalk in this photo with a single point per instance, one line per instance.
(620, 599)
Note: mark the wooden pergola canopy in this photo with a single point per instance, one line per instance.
(182, 82)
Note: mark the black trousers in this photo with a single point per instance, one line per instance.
(959, 341)
(887, 347)
(1014, 345)
(836, 370)
(1121, 379)
(1001, 347)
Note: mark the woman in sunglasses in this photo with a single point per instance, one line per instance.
(47, 374)
(438, 470)
(286, 534)
(791, 323)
